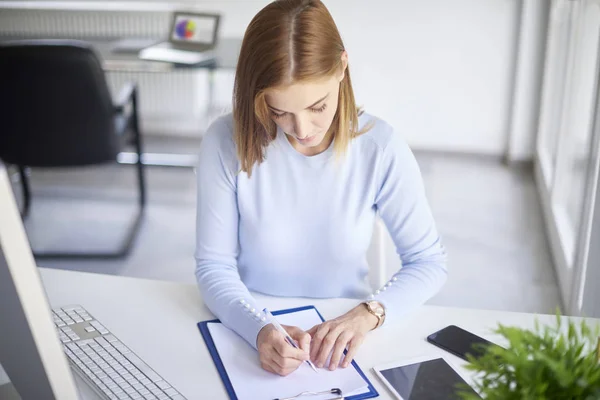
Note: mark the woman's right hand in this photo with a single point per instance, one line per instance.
(276, 354)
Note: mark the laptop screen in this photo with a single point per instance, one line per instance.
(193, 28)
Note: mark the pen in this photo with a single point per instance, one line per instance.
(288, 338)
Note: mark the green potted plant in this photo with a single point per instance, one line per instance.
(544, 363)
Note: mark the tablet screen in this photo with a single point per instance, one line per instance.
(432, 379)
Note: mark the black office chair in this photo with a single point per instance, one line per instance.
(56, 110)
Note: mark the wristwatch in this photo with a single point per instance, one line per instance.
(375, 308)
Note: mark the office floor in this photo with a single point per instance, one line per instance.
(488, 214)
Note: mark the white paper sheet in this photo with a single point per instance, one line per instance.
(251, 382)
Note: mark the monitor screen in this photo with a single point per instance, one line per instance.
(193, 28)
(30, 349)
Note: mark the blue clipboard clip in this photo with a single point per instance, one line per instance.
(336, 391)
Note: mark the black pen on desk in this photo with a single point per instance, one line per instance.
(288, 338)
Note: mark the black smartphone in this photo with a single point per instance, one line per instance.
(458, 341)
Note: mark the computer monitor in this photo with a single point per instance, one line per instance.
(30, 350)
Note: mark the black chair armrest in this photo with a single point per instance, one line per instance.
(126, 95)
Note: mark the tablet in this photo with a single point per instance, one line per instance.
(422, 378)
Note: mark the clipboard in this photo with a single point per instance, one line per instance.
(206, 335)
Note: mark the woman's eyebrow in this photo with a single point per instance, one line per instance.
(312, 105)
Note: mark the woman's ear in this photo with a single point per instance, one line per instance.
(344, 65)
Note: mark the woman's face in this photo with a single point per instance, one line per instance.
(304, 111)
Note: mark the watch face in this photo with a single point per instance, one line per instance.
(379, 310)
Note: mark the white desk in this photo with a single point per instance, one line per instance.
(158, 321)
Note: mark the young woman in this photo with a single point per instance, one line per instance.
(289, 186)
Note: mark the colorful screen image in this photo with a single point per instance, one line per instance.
(194, 29)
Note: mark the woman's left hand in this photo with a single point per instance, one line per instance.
(346, 330)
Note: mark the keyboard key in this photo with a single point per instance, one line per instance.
(110, 338)
(90, 329)
(97, 325)
(144, 392)
(123, 396)
(164, 385)
(136, 396)
(163, 397)
(101, 341)
(171, 392)
(145, 369)
(177, 397)
(122, 349)
(107, 368)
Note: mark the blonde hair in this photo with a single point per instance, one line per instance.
(288, 41)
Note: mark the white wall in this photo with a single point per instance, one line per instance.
(440, 71)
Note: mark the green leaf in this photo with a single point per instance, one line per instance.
(544, 363)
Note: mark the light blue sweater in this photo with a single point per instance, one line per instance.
(301, 226)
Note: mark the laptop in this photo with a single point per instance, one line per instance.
(192, 39)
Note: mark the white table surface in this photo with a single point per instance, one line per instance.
(157, 320)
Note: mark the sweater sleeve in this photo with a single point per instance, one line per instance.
(217, 246)
(403, 207)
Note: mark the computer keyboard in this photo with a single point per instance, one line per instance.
(104, 362)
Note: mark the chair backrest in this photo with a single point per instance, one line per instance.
(381, 256)
(55, 105)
